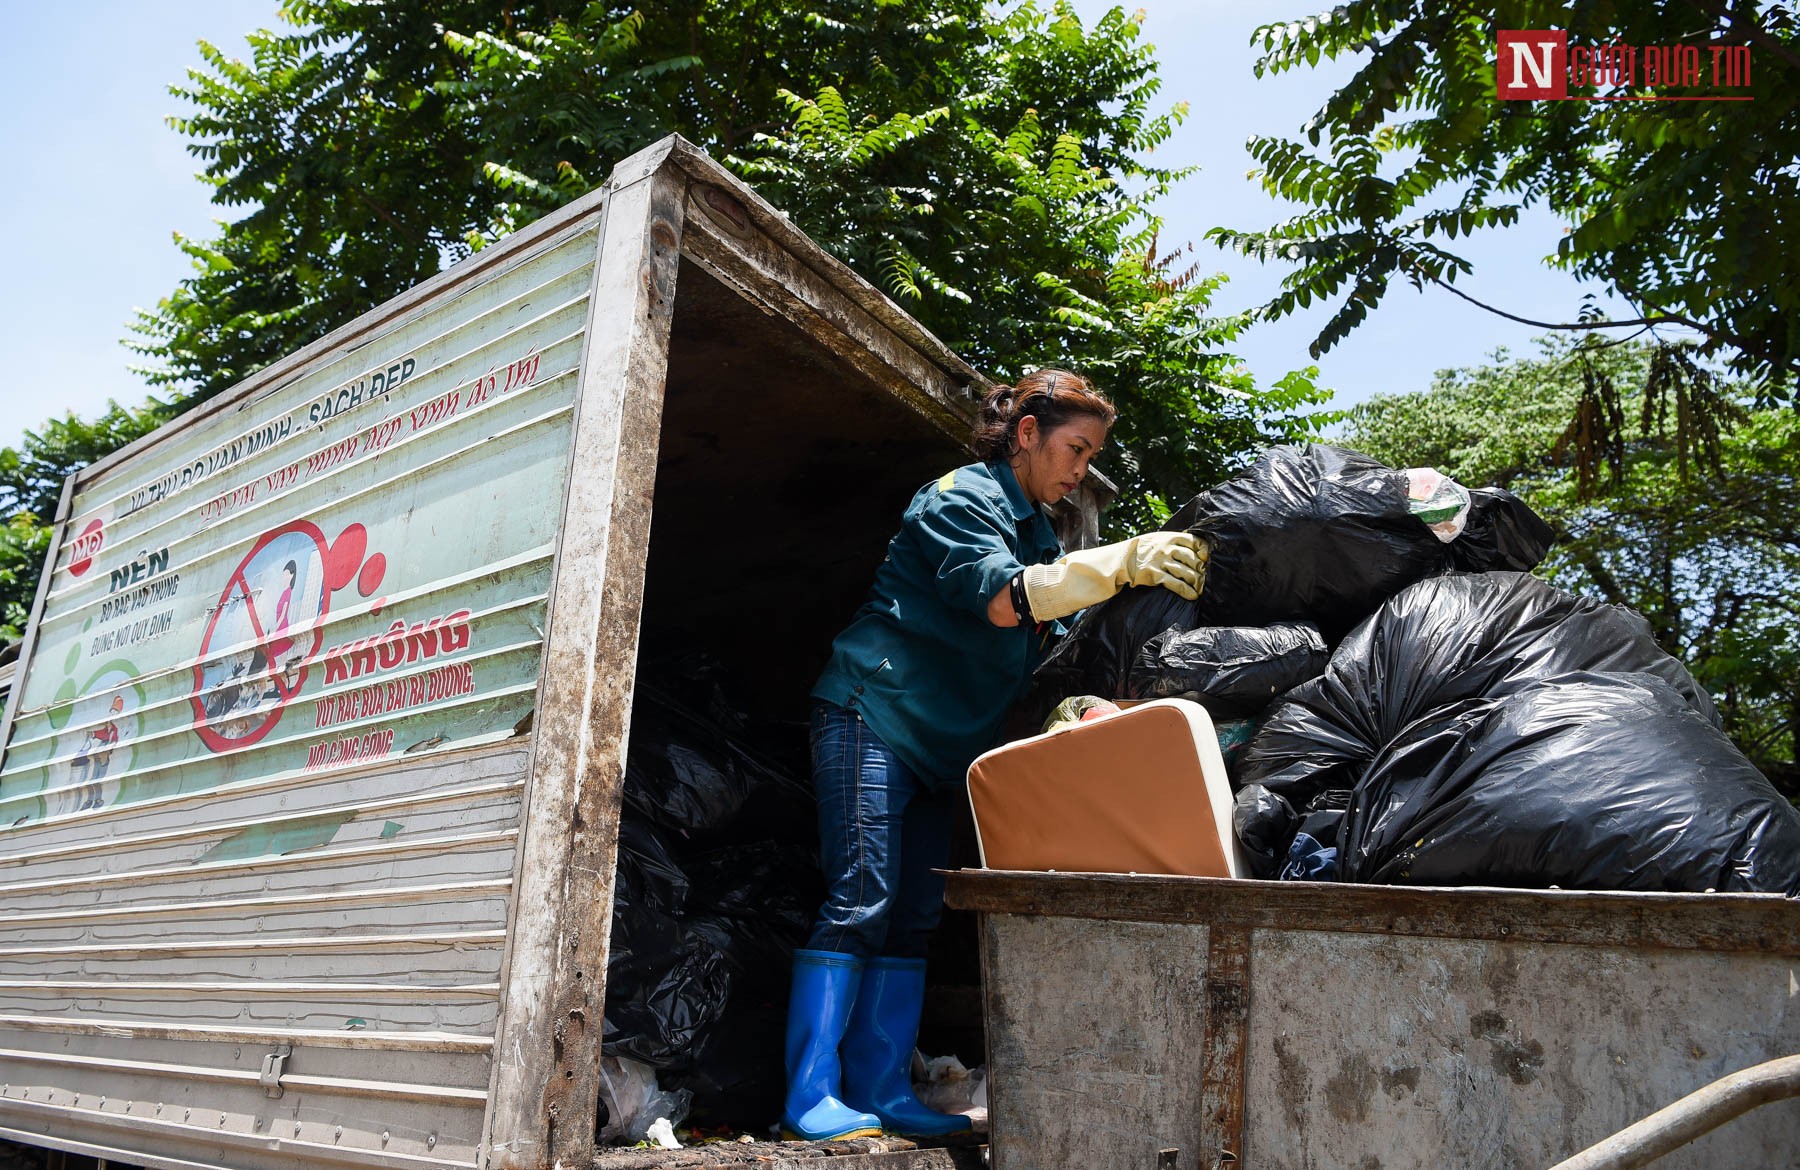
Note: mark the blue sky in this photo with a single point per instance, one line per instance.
(98, 182)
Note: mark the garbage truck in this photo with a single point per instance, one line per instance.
(313, 758)
(316, 742)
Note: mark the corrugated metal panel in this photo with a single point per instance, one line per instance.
(262, 790)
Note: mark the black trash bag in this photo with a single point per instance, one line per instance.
(666, 987)
(1456, 637)
(685, 769)
(737, 1076)
(1232, 671)
(758, 878)
(663, 981)
(1097, 655)
(757, 901)
(648, 877)
(1315, 534)
(703, 951)
(666, 982)
(1264, 823)
(1312, 533)
(750, 906)
(736, 1073)
(1423, 696)
(1502, 534)
(780, 809)
(717, 880)
(1584, 781)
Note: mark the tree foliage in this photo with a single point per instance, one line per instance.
(988, 168)
(1701, 540)
(349, 175)
(1688, 210)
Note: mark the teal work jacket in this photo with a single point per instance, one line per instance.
(920, 662)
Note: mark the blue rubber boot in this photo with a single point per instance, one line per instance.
(825, 983)
(878, 1048)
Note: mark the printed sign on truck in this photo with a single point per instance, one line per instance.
(350, 567)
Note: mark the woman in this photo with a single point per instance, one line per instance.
(917, 686)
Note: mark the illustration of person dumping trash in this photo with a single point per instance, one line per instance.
(95, 756)
(282, 662)
(254, 653)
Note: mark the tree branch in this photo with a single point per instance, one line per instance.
(1749, 28)
(1598, 572)
(388, 216)
(1583, 326)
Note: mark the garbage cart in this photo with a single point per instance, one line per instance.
(313, 758)
(1201, 1023)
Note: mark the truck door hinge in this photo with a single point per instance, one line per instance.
(274, 1063)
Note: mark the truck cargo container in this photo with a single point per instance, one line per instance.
(313, 761)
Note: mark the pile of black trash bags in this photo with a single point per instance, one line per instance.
(716, 885)
(1418, 709)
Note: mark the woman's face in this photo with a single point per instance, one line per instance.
(1051, 464)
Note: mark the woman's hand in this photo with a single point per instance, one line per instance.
(1174, 560)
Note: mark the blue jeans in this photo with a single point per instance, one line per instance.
(881, 833)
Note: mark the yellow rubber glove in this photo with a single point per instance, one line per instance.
(1174, 560)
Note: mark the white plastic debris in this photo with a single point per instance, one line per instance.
(634, 1102)
(945, 1084)
(1439, 501)
(663, 1134)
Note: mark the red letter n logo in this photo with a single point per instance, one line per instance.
(1532, 64)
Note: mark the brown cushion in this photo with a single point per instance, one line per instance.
(1143, 791)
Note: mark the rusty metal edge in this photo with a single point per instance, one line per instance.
(1223, 1048)
(544, 1091)
(1767, 923)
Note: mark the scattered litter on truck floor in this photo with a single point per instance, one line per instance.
(957, 1152)
(662, 1135)
(635, 1105)
(943, 1083)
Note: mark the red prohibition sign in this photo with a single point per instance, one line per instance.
(339, 563)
